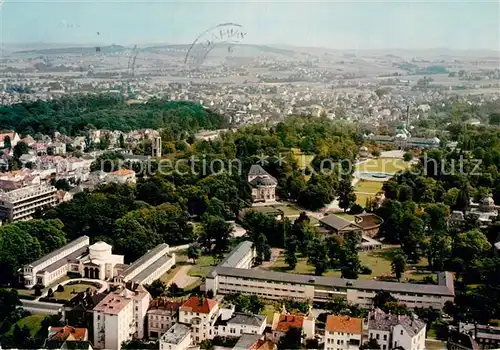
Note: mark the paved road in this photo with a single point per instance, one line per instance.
(182, 279)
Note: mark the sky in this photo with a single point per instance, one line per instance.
(386, 24)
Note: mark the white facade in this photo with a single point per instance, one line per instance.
(391, 331)
(402, 337)
(119, 317)
(178, 337)
(202, 323)
(95, 261)
(234, 324)
(342, 341)
(383, 338)
(233, 275)
(31, 275)
(22, 203)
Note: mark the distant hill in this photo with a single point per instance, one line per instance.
(73, 50)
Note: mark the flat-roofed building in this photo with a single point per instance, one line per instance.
(279, 285)
(178, 337)
(21, 204)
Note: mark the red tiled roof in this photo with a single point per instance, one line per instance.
(289, 321)
(164, 303)
(63, 333)
(344, 324)
(193, 305)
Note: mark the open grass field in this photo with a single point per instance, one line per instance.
(203, 265)
(379, 261)
(362, 197)
(383, 165)
(34, 323)
(368, 186)
(288, 210)
(71, 290)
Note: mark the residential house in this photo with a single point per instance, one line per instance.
(283, 322)
(343, 333)
(234, 324)
(201, 314)
(162, 314)
(67, 337)
(392, 331)
(14, 139)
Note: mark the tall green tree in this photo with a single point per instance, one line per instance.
(398, 266)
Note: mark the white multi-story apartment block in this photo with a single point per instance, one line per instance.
(22, 203)
(47, 269)
(201, 314)
(162, 314)
(150, 266)
(343, 333)
(230, 278)
(178, 337)
(392, 331)
(119, 317)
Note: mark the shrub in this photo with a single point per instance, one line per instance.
(50, 293)
(38, 290)
(60, 288)
(365, 270)
(356, 209)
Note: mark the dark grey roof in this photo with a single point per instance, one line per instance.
(143, 259)
(176, 333)
(64, 261)
(263, 181)
(151, 268)
(411, 325)
(378, 320)
(336, 222)
(246, 341)
(60, 250)
(257, 170)
(430, 289)
(237, 254)
(242, 318)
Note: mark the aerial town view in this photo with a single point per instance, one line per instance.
(249, 175)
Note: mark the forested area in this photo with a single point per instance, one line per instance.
(193, 204)
(418, 204)
(72, 115)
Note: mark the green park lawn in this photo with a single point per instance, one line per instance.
(34, 323)
(71, 290)
(203, 265)
(368, 186)
(379, 261)
(383, 165)
(362, 197)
